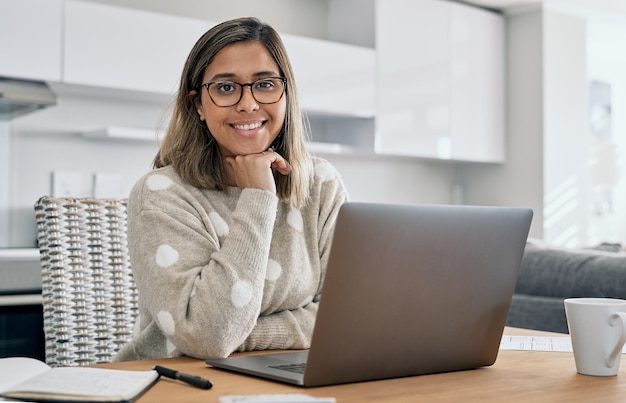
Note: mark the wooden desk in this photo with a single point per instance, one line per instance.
(516, 376)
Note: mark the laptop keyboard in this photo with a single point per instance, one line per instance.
(297, 368)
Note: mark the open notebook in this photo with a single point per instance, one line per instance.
(409, 290)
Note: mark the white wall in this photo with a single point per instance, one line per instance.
(607, 63)
(547, 128)
(566, 134)
(519, 181)
(52, 140)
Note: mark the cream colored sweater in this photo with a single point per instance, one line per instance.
(219, 272)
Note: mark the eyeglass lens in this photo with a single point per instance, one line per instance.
(264, 91)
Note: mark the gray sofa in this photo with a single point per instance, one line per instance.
(548, 275)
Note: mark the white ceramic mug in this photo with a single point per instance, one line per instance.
(597, 327)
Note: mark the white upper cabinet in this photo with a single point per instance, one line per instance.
(440, 81)
(412, 40)
(30, 39)
(122, 48)
(129, 49)
(477, 95)
(333, 78)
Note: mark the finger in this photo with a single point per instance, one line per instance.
(229, 160)
(281, 165)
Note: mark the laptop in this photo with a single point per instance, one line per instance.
(409, 290)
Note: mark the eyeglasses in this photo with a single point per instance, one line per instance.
(264, 90)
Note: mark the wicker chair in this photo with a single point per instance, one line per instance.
(89, 295)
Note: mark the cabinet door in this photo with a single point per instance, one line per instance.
(123, 48)
(333, 78)
(412, 41)
(440, 81)
(30, 39)
(477, 85)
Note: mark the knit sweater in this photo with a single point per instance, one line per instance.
(219, 272)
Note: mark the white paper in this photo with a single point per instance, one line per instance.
(275, 398)
(538, 343)
(14, 370)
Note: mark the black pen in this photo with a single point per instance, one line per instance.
(190, 379)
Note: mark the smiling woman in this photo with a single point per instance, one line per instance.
(240, 123)
(229, 235)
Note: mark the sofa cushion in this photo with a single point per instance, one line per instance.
(560, 272)
(537, 312)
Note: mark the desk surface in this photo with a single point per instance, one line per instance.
(515, 376)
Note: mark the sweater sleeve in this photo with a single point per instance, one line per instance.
(204, 296)
(293, 329)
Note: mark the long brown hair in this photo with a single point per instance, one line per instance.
(190, 147)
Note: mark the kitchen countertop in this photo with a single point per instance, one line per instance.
(20, 271)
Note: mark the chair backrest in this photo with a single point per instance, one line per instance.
(89, 295)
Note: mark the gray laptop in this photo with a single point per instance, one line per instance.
(409, 290)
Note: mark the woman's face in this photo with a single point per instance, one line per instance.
(248, 127)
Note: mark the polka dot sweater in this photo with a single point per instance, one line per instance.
(219, 272)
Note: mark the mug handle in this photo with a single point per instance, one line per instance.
(613, 320)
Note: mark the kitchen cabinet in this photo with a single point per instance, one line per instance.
(122, 48)
(477, 96)
(128, 49)
(333, 78)
(337, 89)
(30, 39)
(440, 81)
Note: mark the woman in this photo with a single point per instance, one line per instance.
(229, 235)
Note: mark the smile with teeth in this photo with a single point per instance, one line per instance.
(249, 126)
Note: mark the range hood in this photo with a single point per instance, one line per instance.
(18, 97)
